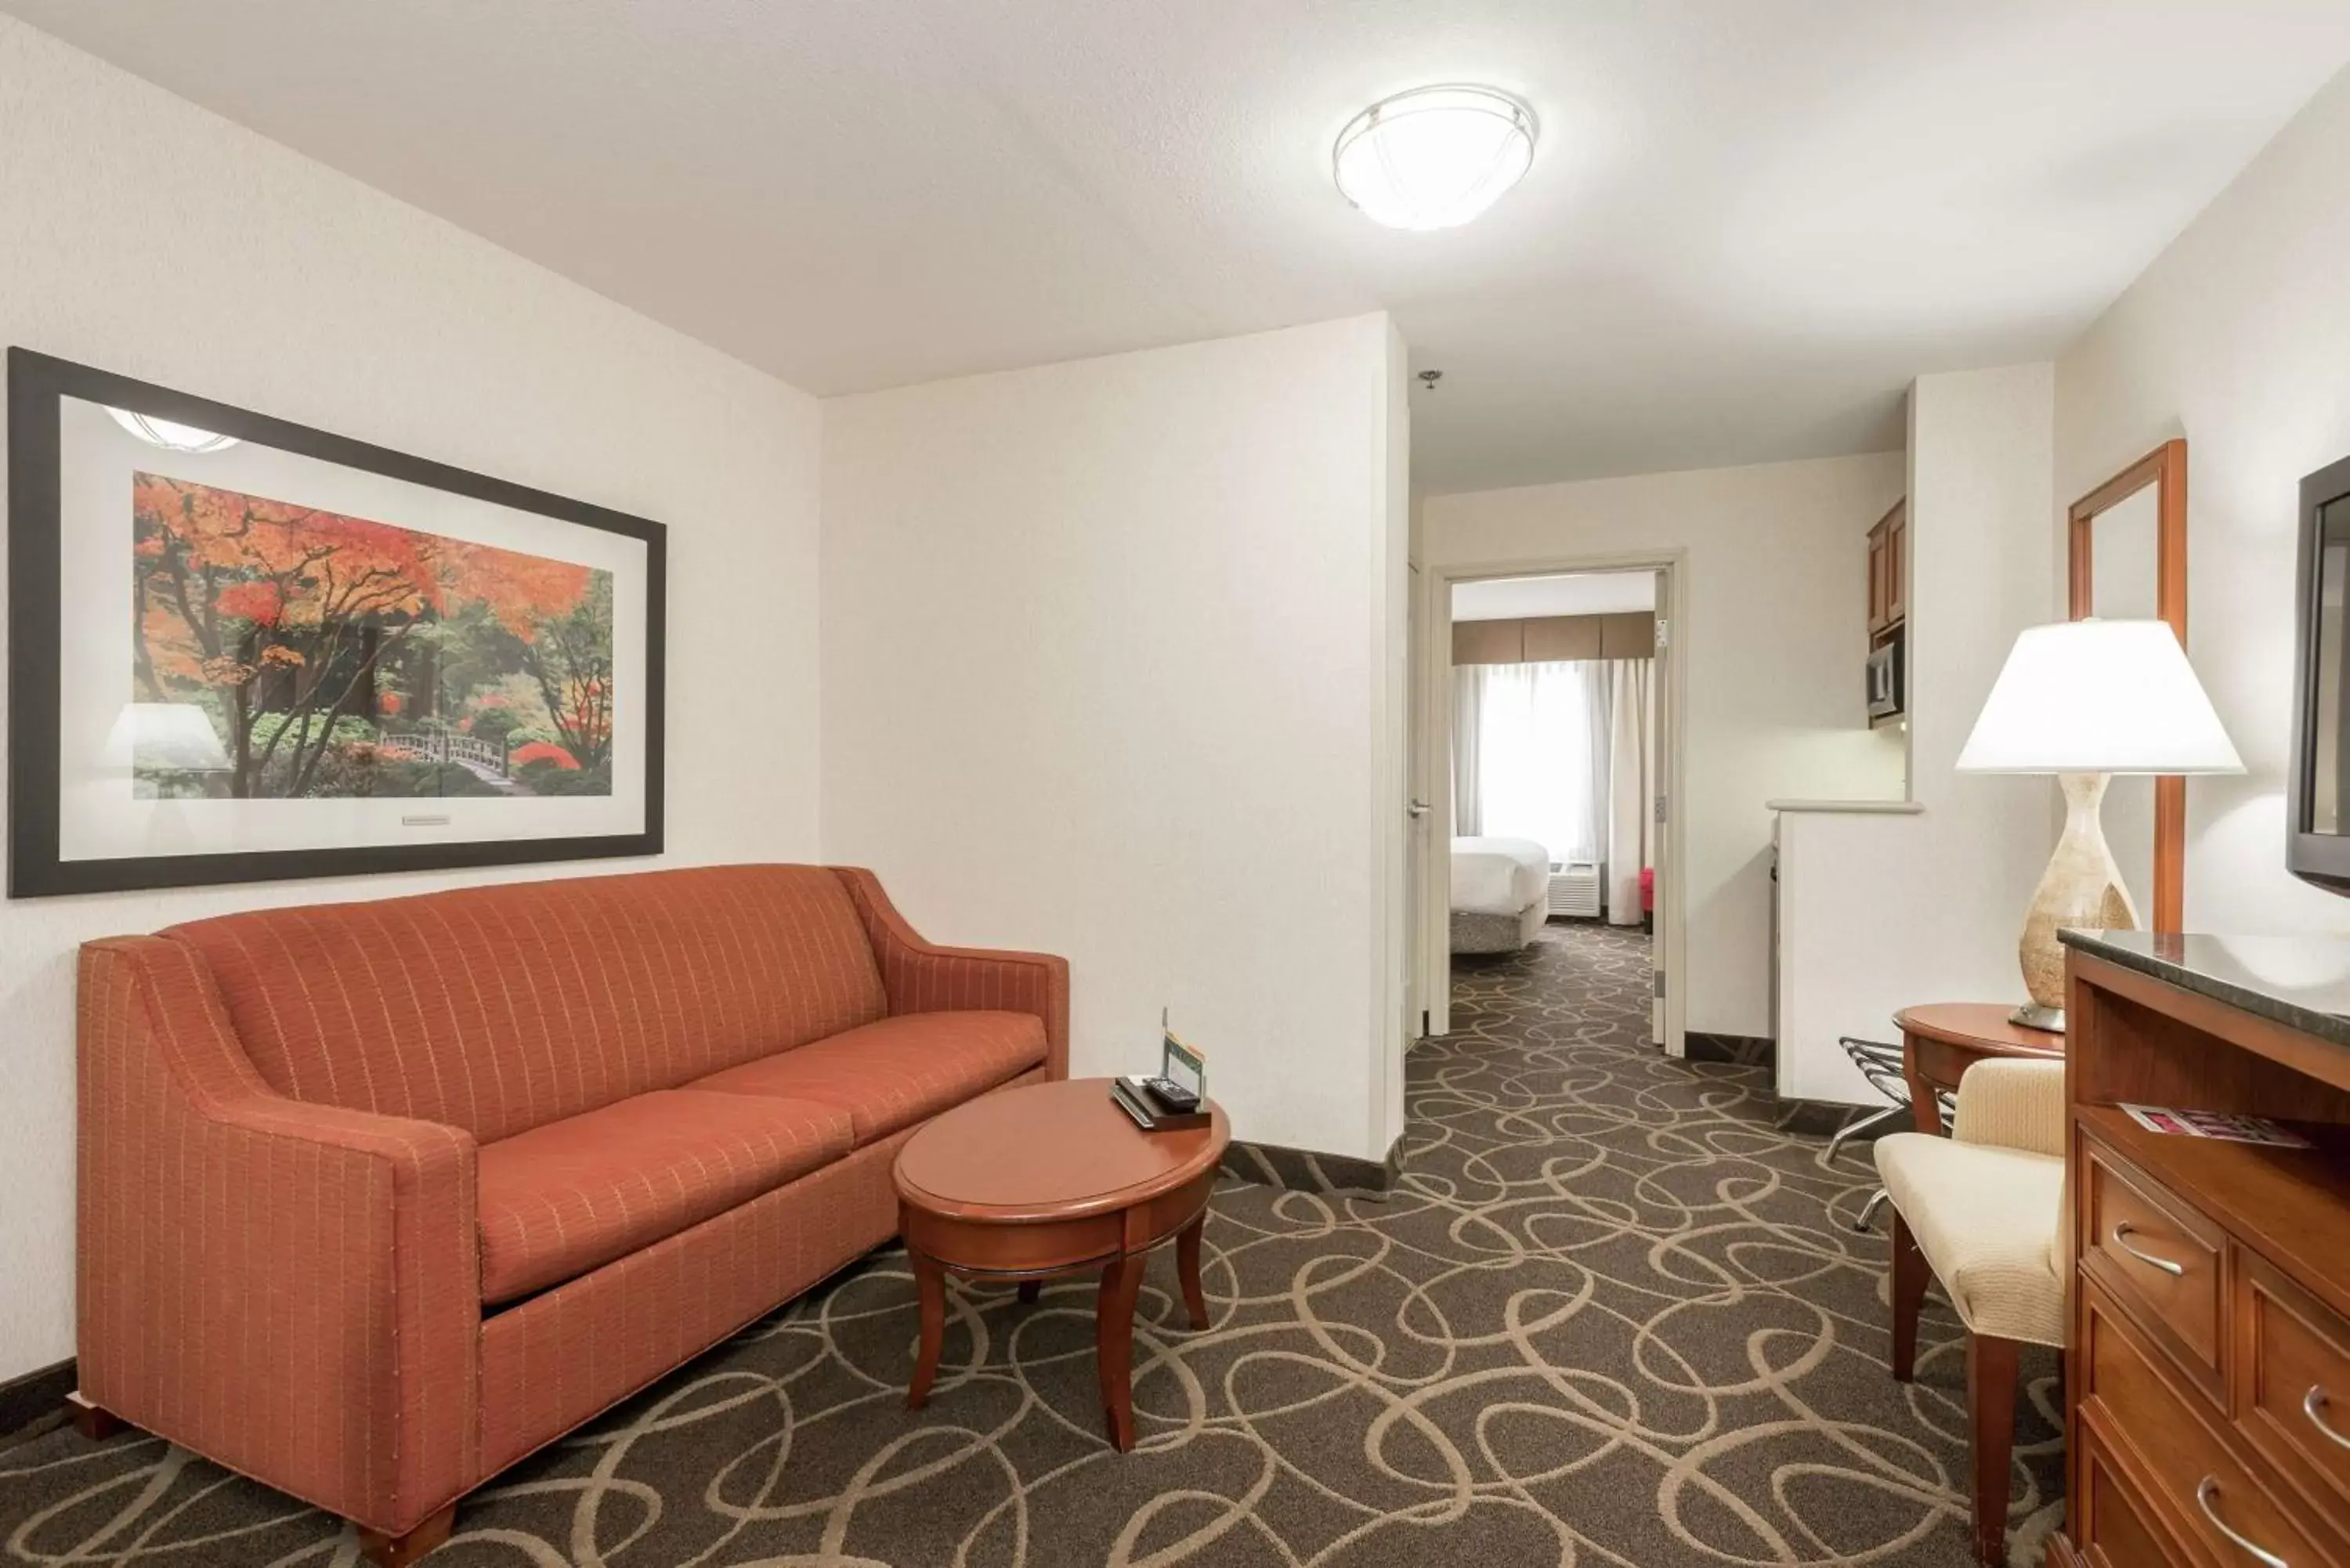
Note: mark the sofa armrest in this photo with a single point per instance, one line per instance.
(922, 977)
(290, 1288)
(2012, 1105)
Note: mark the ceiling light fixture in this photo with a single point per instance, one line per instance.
(1434, 157)
(169, 434)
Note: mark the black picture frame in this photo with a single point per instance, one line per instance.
(2319, 858)
(37, 383)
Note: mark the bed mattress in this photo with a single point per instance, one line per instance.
(1499, 876)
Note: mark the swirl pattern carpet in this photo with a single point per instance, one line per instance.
(1614, 1315)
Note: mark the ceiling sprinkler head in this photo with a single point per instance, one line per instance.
(1429, 379)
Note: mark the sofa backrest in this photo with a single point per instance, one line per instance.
(498, 1009)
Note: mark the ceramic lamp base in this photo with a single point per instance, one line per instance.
(2081, 891)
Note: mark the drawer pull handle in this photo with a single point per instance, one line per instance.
(2312, 1405)
(2206, 1493)
(2124, 1231)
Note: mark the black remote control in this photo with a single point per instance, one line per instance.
(1171, 1095)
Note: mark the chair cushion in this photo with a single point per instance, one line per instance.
(562, 1199)
(1988, 1219)
(901, 1071)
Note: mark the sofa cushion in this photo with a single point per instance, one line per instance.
(573, 1195)
(500, 1009)
(893, 1073)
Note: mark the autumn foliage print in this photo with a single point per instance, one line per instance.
(337, 657)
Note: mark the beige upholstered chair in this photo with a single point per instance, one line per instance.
(1984, 1209)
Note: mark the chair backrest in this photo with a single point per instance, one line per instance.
(498, 1009)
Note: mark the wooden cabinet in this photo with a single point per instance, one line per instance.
(2207, 1360)
(1888, 570)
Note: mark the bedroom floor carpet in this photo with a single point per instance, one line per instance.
(1612, 1316)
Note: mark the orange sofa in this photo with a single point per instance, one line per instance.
(376, 1199)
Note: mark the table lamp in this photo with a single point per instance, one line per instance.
(2086, 700)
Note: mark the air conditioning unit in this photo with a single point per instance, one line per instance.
(1574, 889)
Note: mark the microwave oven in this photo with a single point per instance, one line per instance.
(1886, 678)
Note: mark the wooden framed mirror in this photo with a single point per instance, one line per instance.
(2127, 554)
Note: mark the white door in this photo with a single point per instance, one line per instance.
(1669, 1009)
(1416, 829)
(1660, 816)
(1419, 844)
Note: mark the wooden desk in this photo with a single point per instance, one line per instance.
(2208, 1359)
(1942, 1039)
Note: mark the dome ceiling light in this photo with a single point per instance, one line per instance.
(1435, 157)
(169, 434)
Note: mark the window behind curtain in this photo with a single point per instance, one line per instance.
(1542, 734)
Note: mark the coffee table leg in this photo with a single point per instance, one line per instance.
(1029, 1289)
(1114, 1345)
(1187, 1265)
(930, 1287)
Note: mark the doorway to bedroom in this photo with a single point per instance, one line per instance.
(1556, 748)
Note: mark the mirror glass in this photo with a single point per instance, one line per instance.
(2122, 553)
(2326, 760)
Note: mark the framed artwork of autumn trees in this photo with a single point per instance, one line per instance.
(239, 649)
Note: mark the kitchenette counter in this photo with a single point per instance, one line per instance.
(1908, 807)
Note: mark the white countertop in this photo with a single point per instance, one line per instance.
(1903, 808)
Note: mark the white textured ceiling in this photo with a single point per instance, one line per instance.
(1578, 593)
(1748, 223)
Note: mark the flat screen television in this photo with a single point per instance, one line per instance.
(2317, 792)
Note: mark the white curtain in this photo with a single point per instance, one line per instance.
(1467, 686)
(1540, 767)
(1631, 763)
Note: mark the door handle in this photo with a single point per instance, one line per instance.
(1418, 807)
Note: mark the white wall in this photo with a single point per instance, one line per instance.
(1773, 621)
(1887, 911)
(149, 237)
(2237, 338)
(1112, 667)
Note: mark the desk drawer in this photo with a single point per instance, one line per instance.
(2111, 1524)
(2160, 1258)
(2189, 1470)
(2292, 1370)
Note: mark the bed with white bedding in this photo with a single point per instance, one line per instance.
(1501, 893)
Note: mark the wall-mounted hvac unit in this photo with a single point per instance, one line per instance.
(1574, 889)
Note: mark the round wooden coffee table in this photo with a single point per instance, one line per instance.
(1025, 1184)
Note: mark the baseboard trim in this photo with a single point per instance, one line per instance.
(1738, 1050)
(35, 1398)
(1810, 1118)
(1309, 1171)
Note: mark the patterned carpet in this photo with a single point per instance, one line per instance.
(1613, 1317)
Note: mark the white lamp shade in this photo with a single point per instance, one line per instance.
(2099, 697)
(1435, 157)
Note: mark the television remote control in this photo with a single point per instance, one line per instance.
(1171, 1095)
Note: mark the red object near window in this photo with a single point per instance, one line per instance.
(1647, 890)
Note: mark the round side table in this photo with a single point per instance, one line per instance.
(1942, 1039)
(1029, 1183)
